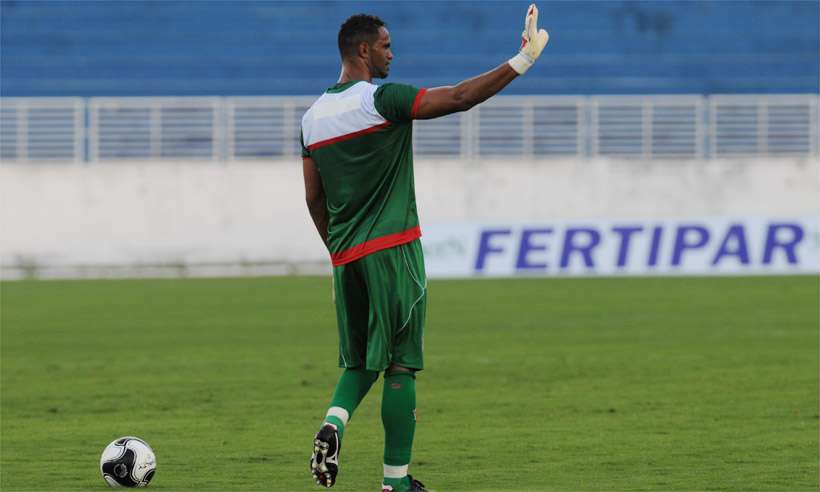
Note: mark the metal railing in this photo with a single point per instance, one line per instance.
(247, 128)
(42, 129)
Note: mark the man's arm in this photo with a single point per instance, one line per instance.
(442, 101)
(315, 197)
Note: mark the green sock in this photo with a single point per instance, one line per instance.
(350, 390)
(399, 419)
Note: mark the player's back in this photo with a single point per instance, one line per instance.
(360, 137)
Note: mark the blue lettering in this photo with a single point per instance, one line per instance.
(593, 238)
(737, 235)
(682, 244)
(527, 246)
(485, 248)
(623, 249)
(788, 246)
(655, 246)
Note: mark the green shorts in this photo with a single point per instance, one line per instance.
(381, 303)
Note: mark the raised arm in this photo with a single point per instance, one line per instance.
(315, 197)
(442, 101)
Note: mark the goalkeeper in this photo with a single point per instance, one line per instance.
(358, 169)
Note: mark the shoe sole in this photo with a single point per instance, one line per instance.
(323, 475)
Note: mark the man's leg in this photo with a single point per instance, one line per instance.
(397, 288)
(406, 306)
(350, 390)
(352, 387)
(352, 316)
(399, 420)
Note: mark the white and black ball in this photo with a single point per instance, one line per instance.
(128, 462)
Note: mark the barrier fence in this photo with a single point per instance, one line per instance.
(248, 128)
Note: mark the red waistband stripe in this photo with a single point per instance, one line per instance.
(377, 244)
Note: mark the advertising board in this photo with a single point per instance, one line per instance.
(709, 246)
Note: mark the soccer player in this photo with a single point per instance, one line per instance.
(358, 167)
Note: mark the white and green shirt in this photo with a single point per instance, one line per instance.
(360, 136)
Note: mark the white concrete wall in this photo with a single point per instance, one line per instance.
(150, 218)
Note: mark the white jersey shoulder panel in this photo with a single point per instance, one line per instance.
(335, 115)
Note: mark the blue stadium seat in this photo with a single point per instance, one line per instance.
(144, 48)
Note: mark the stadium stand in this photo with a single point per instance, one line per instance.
(191, 48)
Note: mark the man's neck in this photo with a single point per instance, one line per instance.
(350, 73)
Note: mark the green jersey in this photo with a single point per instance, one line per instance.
(360, 136)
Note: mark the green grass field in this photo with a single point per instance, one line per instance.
(598, 384)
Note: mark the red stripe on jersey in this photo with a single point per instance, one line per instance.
(416, 103)
(371, 246)
(348, 136)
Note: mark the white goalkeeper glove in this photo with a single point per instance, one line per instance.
(533, 41)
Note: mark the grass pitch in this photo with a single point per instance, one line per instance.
(598, 384)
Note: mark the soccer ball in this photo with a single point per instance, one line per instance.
(128, 462)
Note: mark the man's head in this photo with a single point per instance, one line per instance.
(363, 39)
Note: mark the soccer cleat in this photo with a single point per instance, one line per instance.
(415, 485)
(324, 463)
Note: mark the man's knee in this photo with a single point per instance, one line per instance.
(395, 368)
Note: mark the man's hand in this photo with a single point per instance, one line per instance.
(440, 101)
(533, 42)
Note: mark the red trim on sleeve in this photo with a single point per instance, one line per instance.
(416, 103)
(360, 250)
(348, 136)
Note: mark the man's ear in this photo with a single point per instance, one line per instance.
(364, 50)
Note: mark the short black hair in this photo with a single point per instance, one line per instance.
(357, 29)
